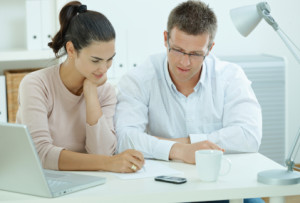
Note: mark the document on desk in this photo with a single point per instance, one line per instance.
(151, 168)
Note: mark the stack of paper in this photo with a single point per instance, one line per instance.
(151, 168)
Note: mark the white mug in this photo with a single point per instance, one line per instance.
(208, 163)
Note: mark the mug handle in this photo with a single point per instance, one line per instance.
(228, 161)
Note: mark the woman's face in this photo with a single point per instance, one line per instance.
(93, 61)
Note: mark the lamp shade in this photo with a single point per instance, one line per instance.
(245, 19)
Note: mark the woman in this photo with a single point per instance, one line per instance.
(69, 108)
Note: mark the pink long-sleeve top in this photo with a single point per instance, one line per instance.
(56, 118)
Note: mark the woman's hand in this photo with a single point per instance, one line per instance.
(128, 161)
(93, 108)
(89, 88)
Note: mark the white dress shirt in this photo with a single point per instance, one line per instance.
(222, 109)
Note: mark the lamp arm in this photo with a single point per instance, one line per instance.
(264, 11)
(294, 150)
(290, 45)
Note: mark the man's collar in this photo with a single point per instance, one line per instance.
(167, 74)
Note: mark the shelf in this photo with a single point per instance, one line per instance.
(25, 55)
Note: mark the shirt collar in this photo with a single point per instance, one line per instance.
(167, 74)
(202, 77)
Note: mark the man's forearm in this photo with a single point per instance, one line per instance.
(184, 140)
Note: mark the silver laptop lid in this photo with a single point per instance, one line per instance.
(20, 170)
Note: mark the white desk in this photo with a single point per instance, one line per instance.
(238, 184)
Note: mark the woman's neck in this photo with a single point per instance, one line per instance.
(70, 77)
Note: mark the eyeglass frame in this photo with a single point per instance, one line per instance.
(184, 53)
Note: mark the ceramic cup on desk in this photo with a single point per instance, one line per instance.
(209, 164)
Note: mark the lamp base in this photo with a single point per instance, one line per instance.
(278, 177)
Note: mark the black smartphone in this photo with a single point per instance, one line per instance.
(170, 179)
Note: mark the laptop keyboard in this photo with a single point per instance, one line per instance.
(54, 175)
(57, 183)
(53, 179)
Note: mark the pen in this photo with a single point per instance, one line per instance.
(132, 147)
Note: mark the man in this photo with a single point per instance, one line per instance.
(187, 100)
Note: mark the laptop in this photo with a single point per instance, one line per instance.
(21, 170)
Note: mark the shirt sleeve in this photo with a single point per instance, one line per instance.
(33, 110)
(242, 119)
(101, 138)
(131, 121)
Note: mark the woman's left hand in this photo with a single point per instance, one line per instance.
(89, 88)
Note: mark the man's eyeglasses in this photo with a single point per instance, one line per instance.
(192, 57)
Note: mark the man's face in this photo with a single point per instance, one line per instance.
(185, 55)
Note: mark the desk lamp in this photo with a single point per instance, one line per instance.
(245, 20)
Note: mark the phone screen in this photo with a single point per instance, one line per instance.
(170, 179)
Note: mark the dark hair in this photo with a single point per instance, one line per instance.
(81, 27)
(194, 18)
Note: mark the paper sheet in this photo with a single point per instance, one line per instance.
(151, 169)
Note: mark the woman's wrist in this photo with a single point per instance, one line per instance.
(104, 163)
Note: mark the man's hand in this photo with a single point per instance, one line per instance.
(186, 152)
